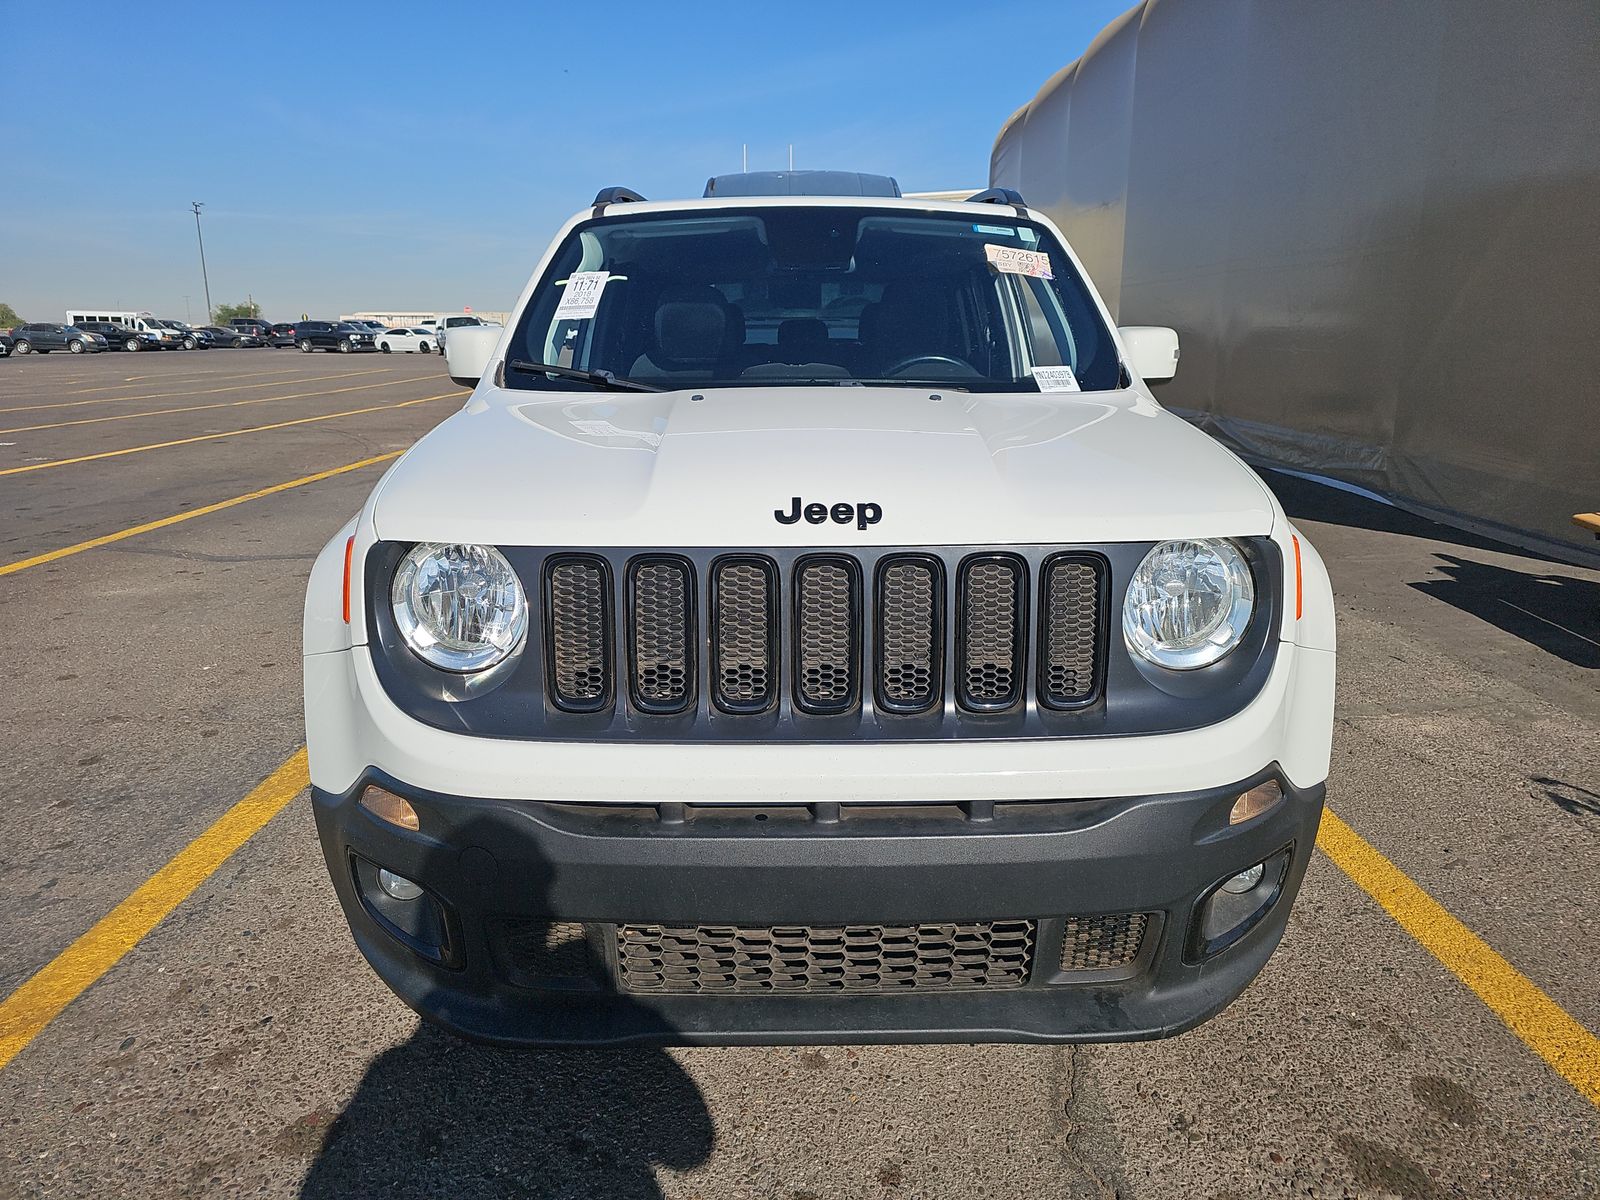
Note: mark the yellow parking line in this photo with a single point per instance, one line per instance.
(205, 391)
(211, 437)
(163, 412)
(64, 978)
(38, 560)
(1542, 1024)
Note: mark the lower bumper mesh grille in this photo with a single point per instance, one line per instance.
(1102, 943)
(691, 959)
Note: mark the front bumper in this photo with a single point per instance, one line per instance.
(492, 863)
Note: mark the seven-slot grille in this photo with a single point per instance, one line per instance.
(814, 621)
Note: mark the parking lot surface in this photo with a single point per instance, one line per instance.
(161, 512)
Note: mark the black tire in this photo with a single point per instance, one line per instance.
(22, 346)
(344, 345)
(305, 346)
(385, 348)
(75, 346)
(422, 348)
(131, 345)
(190, 343)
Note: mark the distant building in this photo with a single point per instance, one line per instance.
(394, 317)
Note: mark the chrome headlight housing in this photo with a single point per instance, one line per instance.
(1188, 603)
(460, 608)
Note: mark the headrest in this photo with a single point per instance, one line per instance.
(802, 339)
(692, 327)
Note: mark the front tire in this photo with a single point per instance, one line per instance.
(344, 345)
(131, 345)
(422, 348)
(190, 343)
(75, 347)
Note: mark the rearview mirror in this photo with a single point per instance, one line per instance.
(467, 352)
(1152, 351)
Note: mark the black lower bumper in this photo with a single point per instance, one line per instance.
(495, 867)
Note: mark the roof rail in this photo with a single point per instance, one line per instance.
(615, 195)
(999, 196)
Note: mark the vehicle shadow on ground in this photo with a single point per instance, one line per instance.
(440, 1116)
(1545, 606)
(1560, 614)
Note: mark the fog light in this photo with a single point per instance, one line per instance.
(1259, 799)
(386, 806)
(401, 888)
(1240, 883)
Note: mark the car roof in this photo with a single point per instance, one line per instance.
(887, 203)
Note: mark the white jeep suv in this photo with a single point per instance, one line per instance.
(812, 628)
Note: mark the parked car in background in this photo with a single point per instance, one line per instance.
(281, 334)
(372, 327)
(5, 345)
(236, 339)
(332, 335)
(261, 329)
(142, 322)
(44, 338)
(406, 341)
(449, 321)
(122, 338)
(193, 339)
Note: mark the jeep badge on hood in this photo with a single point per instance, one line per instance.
(863, 512)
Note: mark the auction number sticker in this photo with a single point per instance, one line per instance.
(1055, 379)
(582, 295)
(1011, 260)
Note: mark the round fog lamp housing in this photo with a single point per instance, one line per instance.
(398, 887)
(1188, 603)
(460, 608)
(1244, 881)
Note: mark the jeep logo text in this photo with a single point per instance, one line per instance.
(863, 513)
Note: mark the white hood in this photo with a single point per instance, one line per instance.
(710, 469)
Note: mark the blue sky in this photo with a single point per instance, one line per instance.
(421, 155)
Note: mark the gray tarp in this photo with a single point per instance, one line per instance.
(1375, 226)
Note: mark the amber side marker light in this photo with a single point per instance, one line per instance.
(1299, 583)
(386, 806)
(349, 553)
(1259, 799)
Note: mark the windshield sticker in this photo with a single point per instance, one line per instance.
(582, 295)
(1010, 261)
(1055, 379)
(997, 230)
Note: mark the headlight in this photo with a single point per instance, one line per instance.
(1188, 604)
(461, 608)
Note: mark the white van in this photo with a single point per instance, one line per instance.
(141, 322)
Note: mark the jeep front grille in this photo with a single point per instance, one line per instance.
(693, 959)
(661, 613)
(577, 610)
(744, 634)
(993, 614)
(1070, 632)
(937, 644)
(827, 630)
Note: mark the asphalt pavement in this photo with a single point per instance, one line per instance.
(243, 1047)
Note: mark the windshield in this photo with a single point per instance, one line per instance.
(802, 295)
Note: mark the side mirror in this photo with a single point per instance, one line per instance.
(1152, 351)
(467, 352)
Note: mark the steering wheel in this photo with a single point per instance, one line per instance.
(961, 365)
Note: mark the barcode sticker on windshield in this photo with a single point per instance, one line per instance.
(1011, 261)
(582, 295)
(1055, 379)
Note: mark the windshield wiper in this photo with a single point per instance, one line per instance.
(601, 379)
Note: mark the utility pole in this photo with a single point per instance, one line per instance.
(188, 313)
(197, 206)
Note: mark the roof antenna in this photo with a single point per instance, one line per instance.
(744, 164)
(791, 156)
